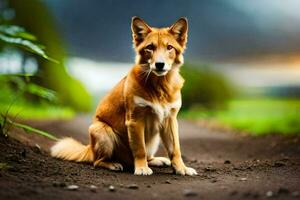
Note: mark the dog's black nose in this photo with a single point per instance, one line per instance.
(159, 65)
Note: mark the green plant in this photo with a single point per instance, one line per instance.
(204, 88)
(17, 36)
(4, 126)
(23, 86)
(7, 123)
(70, 91)
(257, 116)
(4, 166)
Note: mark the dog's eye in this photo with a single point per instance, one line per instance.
(150, 47)
(169, 47)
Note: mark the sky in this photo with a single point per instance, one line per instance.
(218, 30)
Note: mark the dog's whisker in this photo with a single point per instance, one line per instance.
(142, 74)
(149, 71)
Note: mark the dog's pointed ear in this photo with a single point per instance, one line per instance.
(139, 30)
(179, 30)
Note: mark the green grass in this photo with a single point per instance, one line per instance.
(256, 116)
(28, 129)
(37, 111)
(17, 101)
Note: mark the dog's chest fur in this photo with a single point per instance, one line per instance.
(160, 110)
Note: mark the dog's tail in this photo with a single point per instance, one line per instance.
(70, 149)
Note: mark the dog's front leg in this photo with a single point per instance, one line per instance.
(137, 145)
(170, 139)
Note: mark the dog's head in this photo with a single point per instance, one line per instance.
(159, 49)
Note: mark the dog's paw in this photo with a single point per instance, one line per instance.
(116, 167)
(190, 171)
(143, 171)
(159, 162)
(186, 171)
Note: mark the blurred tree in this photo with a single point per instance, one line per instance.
(204, 88)
(34, 16)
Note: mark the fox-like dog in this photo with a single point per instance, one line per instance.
(141, 109)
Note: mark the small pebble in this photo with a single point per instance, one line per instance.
(255, 195)
(279, 164)
(37, 148)
(233, 193)
(72, 187)
(59, 184)
(295, 194)
(247, 194)
(209, 169)
(269, 194)
(23, 153)
(283, 190)
(155, 195)
(133, 186)
(243, 179)
(189, 193)
(168, 182)
(93, 188)
(223, 187)
(227, 162)
(111, 188)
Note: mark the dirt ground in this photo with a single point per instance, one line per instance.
(230, 166)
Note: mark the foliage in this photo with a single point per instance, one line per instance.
(4, 126)
(204, 88)
(16, 35)
(29, 129)
(19, 85)
(4, 166)
(257, 116)
(22, 85)
(44, 102)
(50, 75)
(11, 105)
(5, 121)
(14, 86)
(27, 110)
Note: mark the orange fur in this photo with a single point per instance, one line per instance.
(140, 109)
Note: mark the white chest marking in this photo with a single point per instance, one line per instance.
(161, 110)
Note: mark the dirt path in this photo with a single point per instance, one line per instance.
(230, 167)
